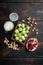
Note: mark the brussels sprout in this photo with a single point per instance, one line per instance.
(23, 25)
(24, 28)
(20, 40)
(20, 29)
(19, 25)
(15, 35)
(25, 35)
(16, 31)
(19, 34)
(27, 31)
(23, 32)
(27, 27)
(17, 38)
(23, 38)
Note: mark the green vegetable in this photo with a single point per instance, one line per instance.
(19, 34)
(27, 27)
(22, 37)
(16, 31)
(24, 28)
(15, 35)
(23, 25)
(23, 32)
(20, 29)
(19, 24)
(25, 35)
(17, 38)
(27, 31)
(20, 40)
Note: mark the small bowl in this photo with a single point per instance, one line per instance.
(8, 26)
(13, 16)
(32, 44)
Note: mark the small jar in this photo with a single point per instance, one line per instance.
(8, 26)
(13, 17)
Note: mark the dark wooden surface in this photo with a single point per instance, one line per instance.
(24, 10)
(35, 10)
(21, 1)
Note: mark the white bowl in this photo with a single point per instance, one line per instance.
(13, 16)
(8, 26)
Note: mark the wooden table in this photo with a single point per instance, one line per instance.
(24, 8)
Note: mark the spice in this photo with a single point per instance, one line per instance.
(31, 25)
(36, 29)
(29, 18)
(6, 40)
(33, 20)
(35, 23)
(37, 33)
(11, 45)
(28, 21)
(23, 20)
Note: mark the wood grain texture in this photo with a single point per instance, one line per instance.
(24, 10)
(34, 10)
(21, 1)
(24, 61)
